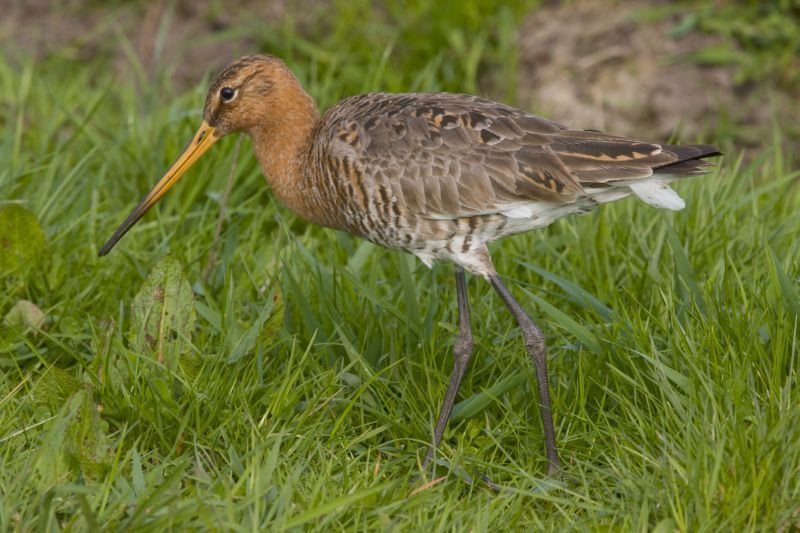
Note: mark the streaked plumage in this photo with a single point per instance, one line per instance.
(440, 175)
(437, 175)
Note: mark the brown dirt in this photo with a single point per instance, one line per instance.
(588, 63)
(176, 35)
(593, 64)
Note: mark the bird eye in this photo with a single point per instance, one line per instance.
(227, 93)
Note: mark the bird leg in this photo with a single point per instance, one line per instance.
(462, 352)
(534, 342)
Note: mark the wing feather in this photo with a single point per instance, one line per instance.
(451, 155)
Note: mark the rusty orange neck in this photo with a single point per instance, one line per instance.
(282, 140)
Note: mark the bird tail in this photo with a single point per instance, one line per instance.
(655, 189)
(691, 162)
(691, 159)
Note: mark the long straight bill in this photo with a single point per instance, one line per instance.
(202, 141)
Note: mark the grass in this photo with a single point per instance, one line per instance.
(300, 383)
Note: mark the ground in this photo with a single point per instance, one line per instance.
(632, 68)
(605, 65)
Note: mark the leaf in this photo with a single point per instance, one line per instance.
(787, 288)
(263, 329)
(667, 525)
(347, 501)
(478, 402)
(55, 386)
(25, 314)
(137, 473)
(686, 283)
(579, 295)
(270, 329)
(719, 55)
(77, 441)
(560, 318)
(51, 465)
(405, 263)
(163, 312)
(22, 242)
(86, 442)
(681, 380)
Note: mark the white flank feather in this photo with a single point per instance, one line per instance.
(656, 192)
(519, 211)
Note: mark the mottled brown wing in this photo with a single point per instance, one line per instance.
(450, 155)
(597, 159)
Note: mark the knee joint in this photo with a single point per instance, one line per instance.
(463, 347)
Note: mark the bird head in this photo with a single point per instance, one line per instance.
(245, 96)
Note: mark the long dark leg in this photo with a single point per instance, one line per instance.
(534, 341)
(462, 352)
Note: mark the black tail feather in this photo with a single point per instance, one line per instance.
(690, 159)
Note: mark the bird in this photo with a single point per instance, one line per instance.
(437, 175)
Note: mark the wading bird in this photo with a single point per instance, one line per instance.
(438, 175)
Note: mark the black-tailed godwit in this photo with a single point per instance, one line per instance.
(438, 175)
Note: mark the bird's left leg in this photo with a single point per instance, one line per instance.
(462, 353)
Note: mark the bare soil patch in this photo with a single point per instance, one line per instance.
(596, 64)
(186, 37)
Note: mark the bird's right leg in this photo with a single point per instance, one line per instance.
(534, 342)
(462, 354)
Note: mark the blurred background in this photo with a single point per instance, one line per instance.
(722, 70)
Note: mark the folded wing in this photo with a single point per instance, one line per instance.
(450, 156)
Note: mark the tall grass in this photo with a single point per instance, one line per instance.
(306, 391)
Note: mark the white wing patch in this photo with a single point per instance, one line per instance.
(605, 195)
(537, 214)
(656, 192)
(519, 211)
